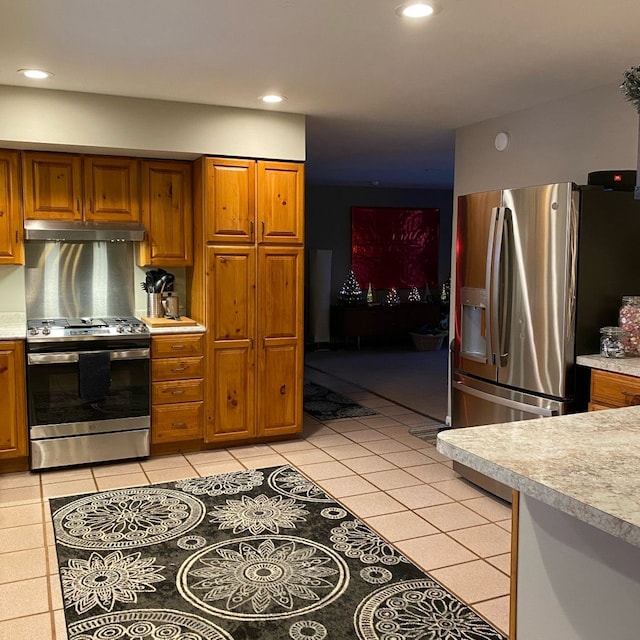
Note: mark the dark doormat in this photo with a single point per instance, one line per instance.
(324, 404)
(257, 554)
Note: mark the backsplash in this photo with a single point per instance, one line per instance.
(78, 279)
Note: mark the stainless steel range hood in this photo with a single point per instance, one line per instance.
(80, 231)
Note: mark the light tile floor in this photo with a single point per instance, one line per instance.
(398, 484)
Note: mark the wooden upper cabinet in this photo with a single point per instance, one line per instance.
(280, 210)
(60, 186)
(112, 189)
(167, 214)
(230, 200)
(52, 186)
(11, 244)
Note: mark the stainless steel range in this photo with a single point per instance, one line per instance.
(87, 389)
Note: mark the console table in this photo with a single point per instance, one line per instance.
(382, 320)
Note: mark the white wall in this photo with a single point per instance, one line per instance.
(90, 123)
(38, 118)
(554, 142)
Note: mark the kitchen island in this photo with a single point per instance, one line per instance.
(576, 519)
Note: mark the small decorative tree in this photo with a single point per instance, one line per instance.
(350, 292)
(393, 297)
(414, 295)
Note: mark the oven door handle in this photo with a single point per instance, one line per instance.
(74, 356)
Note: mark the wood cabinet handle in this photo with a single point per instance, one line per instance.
(177, 392)
(78, 204)
(251, 225)
(179, 425)
(178, 346)
(262, 224)
(630, 398)
(179, 369)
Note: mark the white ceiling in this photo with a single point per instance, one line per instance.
(383, 95)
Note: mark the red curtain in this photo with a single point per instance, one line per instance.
(395, 247)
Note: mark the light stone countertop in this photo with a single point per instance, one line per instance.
(13, 325)
(584, 464)
(629, 366)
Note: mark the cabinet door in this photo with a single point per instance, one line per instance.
(13, 412)
(230, 200)
(230, 378)
(11, 247)
(52, 186)
(112, 189)
(280, 202)
(280, 340)
(167, 214)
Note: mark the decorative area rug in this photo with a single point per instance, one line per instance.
(324, 404)
(258, 554)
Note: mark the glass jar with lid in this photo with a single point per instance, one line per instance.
(629, 320)
(612, 342)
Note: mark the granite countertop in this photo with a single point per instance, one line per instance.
(585, 464)
(13, 325)
(629, 366)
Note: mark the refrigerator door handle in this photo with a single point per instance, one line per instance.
(512, 404)
(499, 358)
(491, 351)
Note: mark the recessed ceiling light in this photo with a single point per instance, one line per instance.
(35, 74)
(417, 9)
(272, 98)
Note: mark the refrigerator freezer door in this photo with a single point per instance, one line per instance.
(472, 347)
(534, 284)
(476, 403)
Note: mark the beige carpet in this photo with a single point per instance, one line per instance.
(414, 379)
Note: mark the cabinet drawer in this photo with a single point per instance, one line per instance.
(614, 389)
(177, 391)
(171, 346)
(176, 368)
(176, 422)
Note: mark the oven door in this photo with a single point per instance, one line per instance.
(87, 403)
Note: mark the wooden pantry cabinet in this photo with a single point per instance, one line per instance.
(253, 201)
(247, 287)
(61, 186)
(254, 321)
(167, 214)
(177, 388)
(11, 234)
(13, 411)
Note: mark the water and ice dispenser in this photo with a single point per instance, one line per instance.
(473, 330)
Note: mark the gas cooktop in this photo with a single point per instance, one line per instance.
(74, 328)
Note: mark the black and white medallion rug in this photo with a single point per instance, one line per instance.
(324, 404)
(257, 554)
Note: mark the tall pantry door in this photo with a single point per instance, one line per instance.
(230, 398)
(280, 340)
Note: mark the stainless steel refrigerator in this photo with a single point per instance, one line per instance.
(538, 271)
